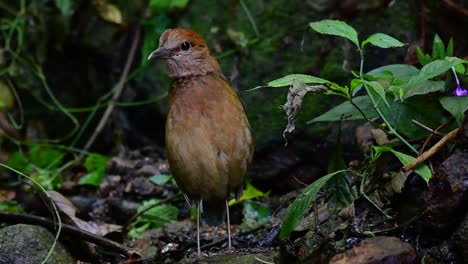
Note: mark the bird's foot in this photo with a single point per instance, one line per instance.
(230, 249)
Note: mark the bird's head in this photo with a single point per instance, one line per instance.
(184, 53)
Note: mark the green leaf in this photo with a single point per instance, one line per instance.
(423, 170)
(158, 215)
(423, 87)
(302, 202)
(400, 71)
(460, 68)
(341, 192)
(255, 215)
(355, 86)
(136, 232)
(95, 161)
(19, 161)
(45, 158)
(348, 111)
(449, 51)
(455, 106)
(161, 215)
(378, 150)
(162, 6)
(438, 48)
(160, 179)
(397, 92)
(382, 41)
(64, 6)
(9, 206)
(425, 109)
(336, 28)
(288, 80)
(94, 178)
(434, 69)
(423, 58)
(376, 87)
(249, 193)
(95, 164)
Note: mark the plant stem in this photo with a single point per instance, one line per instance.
(391, 129)
(361, 67)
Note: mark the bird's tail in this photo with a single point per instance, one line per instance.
(213, 214)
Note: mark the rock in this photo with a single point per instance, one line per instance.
(29, 244)
(236, 258)
(378, 250)
(444, 201)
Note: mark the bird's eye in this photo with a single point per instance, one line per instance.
(185, 45)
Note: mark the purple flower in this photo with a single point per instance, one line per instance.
(460, 91)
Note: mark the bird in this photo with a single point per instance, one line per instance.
(208, 138)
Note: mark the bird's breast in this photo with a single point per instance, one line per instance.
(208, 139)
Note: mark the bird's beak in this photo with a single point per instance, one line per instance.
(160, 53)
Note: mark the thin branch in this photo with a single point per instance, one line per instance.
(456, 7)
(15, 218)
(8, 8)
(428, 139)
(433, 131)
(426, 155)
(117, 93)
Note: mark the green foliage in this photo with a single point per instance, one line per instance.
(348, 110)
(339, 190)
(155, 217)
(382, 41)
(154, 26)
(337, 28)
(46, 164)
(41, 163)
(438, 51)
(455, 106)
(95, 164)
(9, 206)
(249, 193)
(160, 6)
(160, 179)
(302, 202)
(422, 170)
(64, 6)
(288, 80)
(255, 215)
(395, 94)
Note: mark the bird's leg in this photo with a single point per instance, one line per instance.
(228, 226)
(198, 205)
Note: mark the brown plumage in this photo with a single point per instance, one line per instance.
(208, 138)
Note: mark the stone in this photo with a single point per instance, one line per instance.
(376, 250)
(29, 244)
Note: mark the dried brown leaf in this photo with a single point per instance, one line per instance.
(296, 95)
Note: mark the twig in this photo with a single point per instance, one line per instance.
(118, 89)
(16, 218)
(8, 8)
(428, 139)
(426, 155)
(117, 93)
(456, 7)
(433, 131)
